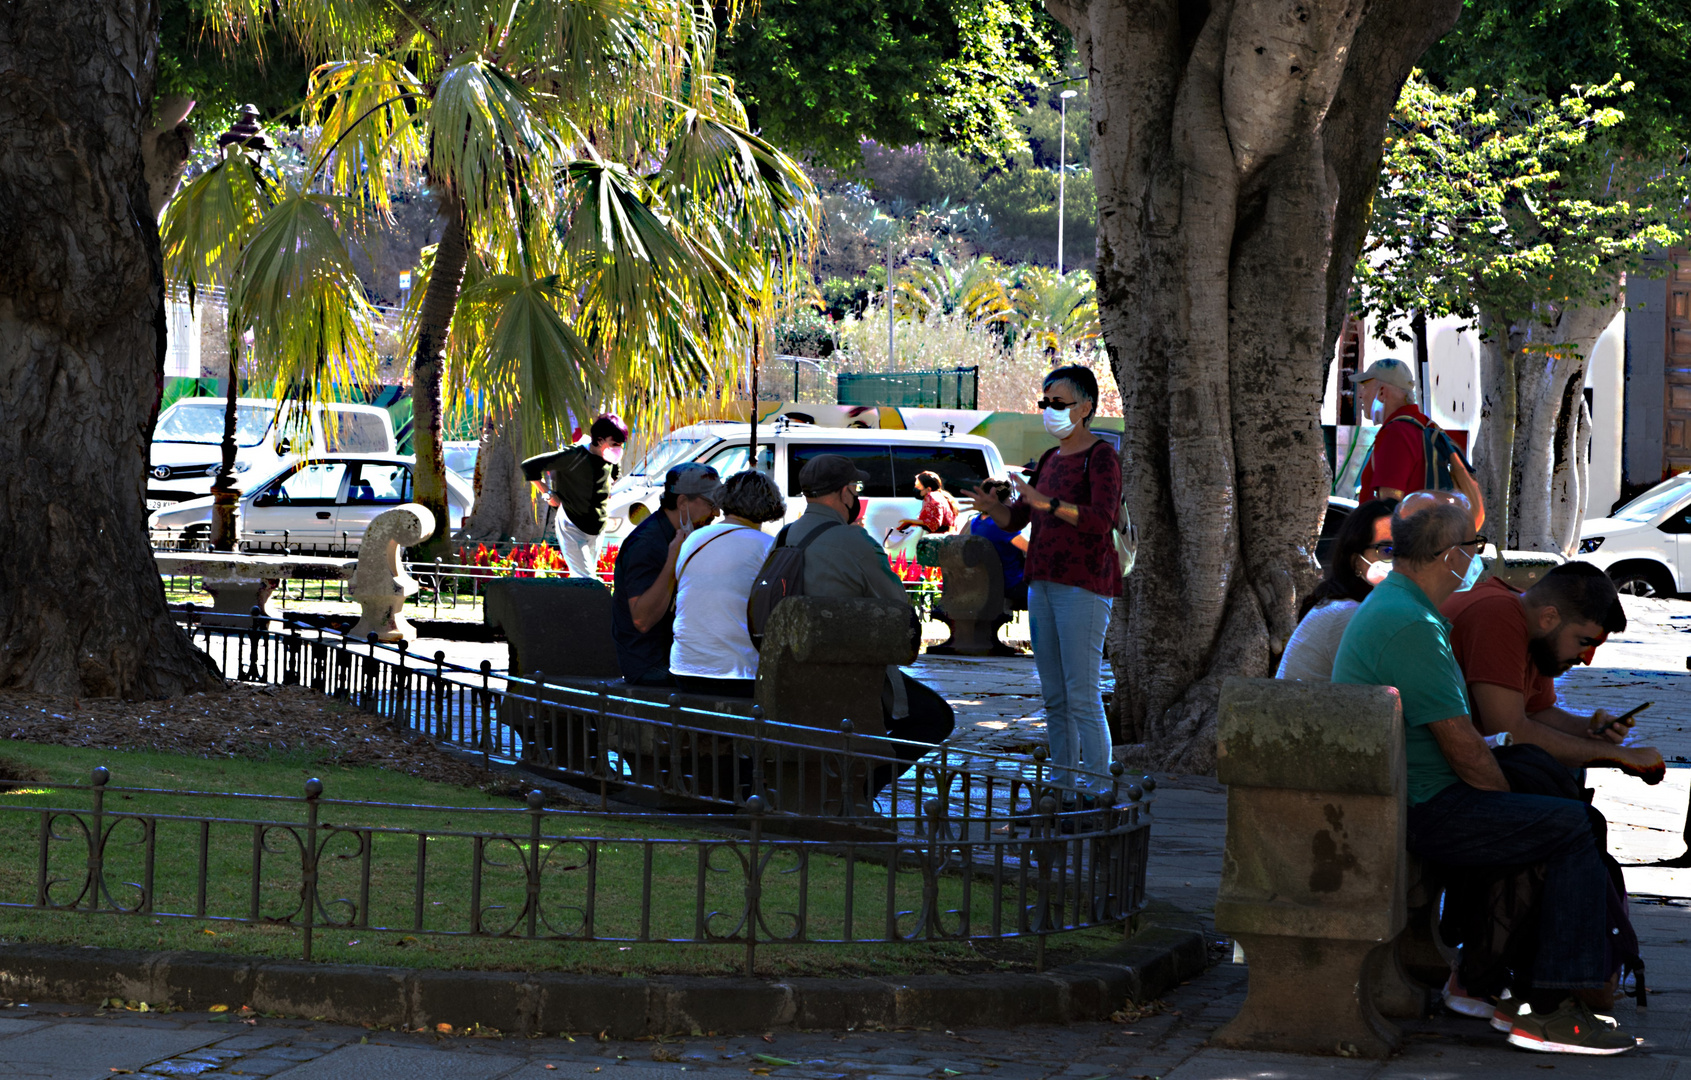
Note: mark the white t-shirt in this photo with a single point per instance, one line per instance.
(711, 640)
(1309, 656)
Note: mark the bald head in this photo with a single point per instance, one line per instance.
(1427, 523)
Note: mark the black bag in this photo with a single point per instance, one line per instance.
(780, 576)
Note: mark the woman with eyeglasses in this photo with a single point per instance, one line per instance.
(1362, 557)
(1073, 575)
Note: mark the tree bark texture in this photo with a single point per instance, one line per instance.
(506, 508)
(82, 347)
(434, 320)
(165, 148)
(1535, 429)
(1235, 148)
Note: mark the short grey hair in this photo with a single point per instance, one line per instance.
(1428, 530)
(753, 496)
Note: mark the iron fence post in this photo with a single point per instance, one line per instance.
(308, 856)
(536, 809)
(97, 839)
(754, 883)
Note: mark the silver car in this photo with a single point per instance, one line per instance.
(321, 503)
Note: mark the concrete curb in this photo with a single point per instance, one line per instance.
(1153, 961)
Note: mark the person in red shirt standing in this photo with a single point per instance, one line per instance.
(1511, 646)
(1398, 463)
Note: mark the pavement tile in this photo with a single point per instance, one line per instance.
(96, 1048)
(9, 1028)
(377, 1062)
(246, 1044)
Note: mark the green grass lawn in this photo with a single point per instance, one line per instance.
(617, 856)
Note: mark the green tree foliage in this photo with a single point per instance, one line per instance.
(821, 76)
(268, 70)
(1547, 47)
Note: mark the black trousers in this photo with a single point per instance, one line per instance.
(929, 723)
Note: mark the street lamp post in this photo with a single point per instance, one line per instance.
(1062, 168)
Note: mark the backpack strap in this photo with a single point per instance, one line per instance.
(694, 553)
(816, 532)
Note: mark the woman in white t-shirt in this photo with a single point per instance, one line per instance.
(714, 571)
(1362, 557)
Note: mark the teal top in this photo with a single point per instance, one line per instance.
(1397, 638)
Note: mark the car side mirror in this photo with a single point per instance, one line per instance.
(283, 446)
(265, 498)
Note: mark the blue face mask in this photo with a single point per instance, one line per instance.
(1467, 579)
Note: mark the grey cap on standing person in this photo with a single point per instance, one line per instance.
(693, 478)
(1391, 371)
(827, 473)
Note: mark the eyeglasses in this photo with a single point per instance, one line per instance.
(1479, 541)
(1383, 549)
(1053, 403)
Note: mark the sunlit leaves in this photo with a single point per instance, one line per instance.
(370, 135)
(208, 222)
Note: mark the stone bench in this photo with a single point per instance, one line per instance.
(238, 583)
(1315, 871)
(972, 603)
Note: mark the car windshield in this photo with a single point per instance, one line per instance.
(665, 456)
(202, 422)
(1652, 503)
(461, 459)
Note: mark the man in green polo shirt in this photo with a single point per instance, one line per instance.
(1461, 811)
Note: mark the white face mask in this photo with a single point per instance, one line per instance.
(1377, 571)
(1376, 412)
(1057, 422)
(612, 454)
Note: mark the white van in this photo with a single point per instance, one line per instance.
(892, 459)
(188, 440)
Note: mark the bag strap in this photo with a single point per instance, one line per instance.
(695, 552)
(818, 531)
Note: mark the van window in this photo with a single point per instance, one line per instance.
(356, 433)
(667, 454)
(959, 467)
(732, 459)
(202, 422)
(873, 460)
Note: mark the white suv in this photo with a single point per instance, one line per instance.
(1645, 545)
(891, 458)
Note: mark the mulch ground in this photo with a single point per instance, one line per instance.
(247, 720)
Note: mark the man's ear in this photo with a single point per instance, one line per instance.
(1546, 619)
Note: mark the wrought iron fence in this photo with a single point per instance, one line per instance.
(783, 834)
(317, 864)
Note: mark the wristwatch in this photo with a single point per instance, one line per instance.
(1056, 505)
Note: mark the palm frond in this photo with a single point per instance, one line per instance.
(369, 111)
(207, 223)
(490, 140)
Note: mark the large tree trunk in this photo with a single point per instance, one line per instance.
(434, 321)
(1535, 430)
(1235, 148)
(506, 508)
(82, 610)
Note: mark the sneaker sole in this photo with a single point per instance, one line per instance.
(1467, 1006)
(1526, 1041)
(1502, 1023)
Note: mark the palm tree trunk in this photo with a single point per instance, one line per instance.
(223, 493)
(434, 321)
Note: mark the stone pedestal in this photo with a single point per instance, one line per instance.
(380, 583)
(971, 599)
(560, 627)
(825, 660)
(238, 583)
(1313, 876)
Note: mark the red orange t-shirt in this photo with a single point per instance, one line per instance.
(1489, 636)
(1399, 457)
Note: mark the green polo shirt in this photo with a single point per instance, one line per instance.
(1398, 638)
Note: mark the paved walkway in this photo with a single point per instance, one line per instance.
(998, 706)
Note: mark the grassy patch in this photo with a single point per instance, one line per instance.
(595, 873)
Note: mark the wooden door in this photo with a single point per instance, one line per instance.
(1676, 391)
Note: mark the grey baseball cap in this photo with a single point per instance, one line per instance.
(1391, 371)
(693, 478)
(828, 473)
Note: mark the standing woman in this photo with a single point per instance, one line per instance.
(1073, 574)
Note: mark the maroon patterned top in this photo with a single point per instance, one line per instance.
(1083, 554)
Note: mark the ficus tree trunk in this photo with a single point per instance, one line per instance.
(1534, 440)
(506, 508)
(1235, 148)
(82, 348)
(434, 321)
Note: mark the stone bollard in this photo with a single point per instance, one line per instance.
(560, 626)
(825, 660)
(971, 599)
(1312, 884)
(380, 583)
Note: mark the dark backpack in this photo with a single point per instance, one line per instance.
(1437, 450)
(780, 576)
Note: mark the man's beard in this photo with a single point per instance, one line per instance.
(1544, 657)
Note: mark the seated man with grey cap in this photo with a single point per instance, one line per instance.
(643, 590)
(847, 563)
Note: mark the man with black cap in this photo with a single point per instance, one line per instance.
(643, 596)
(847, 563)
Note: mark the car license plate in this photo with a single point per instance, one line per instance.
(160, 504)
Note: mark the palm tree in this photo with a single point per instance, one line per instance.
(611, 227)
(1060, 312)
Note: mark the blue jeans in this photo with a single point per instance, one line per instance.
(1462, 826)
(1068, 649)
